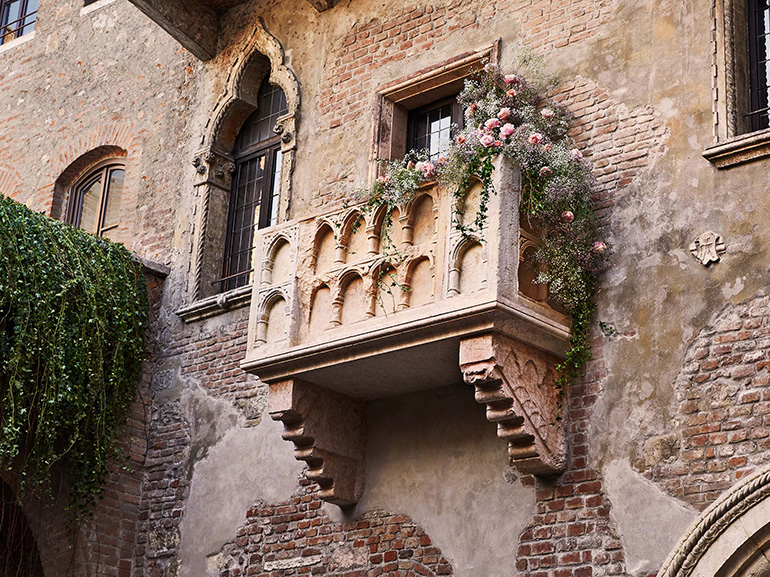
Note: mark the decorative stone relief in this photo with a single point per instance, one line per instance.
(707, 247)
(516, 383)
(329, 434)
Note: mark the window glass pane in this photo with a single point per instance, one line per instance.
(259, 126)
(8, 21)
(114, 197)
(29, 21)
(432, 130)
(90, 204)
(244, 213)
(276, 188)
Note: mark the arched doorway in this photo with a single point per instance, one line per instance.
(731, 538)
(19, 556)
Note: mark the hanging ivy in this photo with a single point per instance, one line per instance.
(73, 309)
(505, 115)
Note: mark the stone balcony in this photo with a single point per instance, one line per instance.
(347, 307)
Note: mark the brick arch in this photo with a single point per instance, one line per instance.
(10, 182)
(118, 140)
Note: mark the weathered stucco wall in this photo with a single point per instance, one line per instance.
(671, 412)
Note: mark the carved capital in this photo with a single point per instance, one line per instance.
(328, 432)
(516, 383)
(213, 168)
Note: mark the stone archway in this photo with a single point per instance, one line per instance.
(731, 538)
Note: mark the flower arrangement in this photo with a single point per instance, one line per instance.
(507, 115)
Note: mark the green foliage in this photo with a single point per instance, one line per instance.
(73, 309)
(506, 115)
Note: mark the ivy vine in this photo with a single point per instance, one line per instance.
(506, 115)
(73, 309)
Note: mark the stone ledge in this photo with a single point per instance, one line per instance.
(740, 149)
(215, 305)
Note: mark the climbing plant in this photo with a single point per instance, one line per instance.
(505, 115)
(73, 308)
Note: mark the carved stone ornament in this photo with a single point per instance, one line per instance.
(707, 247)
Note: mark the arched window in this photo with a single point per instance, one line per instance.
(256, 184)
(94, 203)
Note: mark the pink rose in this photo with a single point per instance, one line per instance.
(567, 216)
(383, 179)
(504, 113)
(491, 67)
(429, 169)
(498, 142)
(547, 148)
(545, 172)
(575, 154)
(535, 138)
(599, 247)
(410, 165)
(471, 110)
(492, 123)
(487, 140)
(511, 93)
(460, 140)
(511, 79)
(547, 113)
(507, 130)
(441, 159)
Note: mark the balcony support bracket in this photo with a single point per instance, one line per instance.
(516, 383)
(329, 434)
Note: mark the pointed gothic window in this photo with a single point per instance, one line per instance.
(256, 185)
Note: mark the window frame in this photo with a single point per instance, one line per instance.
(735, 140)
(755, 88)
(268, 201)
(21, 22)
(456, 119)
(394, 101)
(76, 194)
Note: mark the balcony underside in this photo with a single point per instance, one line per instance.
(418, 354)
(195, 23)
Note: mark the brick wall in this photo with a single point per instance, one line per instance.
(298, 537)
(721, 430)
(572, 534)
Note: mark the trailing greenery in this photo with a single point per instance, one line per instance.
(507, 115)
(73, 309)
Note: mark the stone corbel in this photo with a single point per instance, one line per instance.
(213, 168)
(329, 434)
(516, 383)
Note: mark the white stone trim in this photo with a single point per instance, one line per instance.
(95, 6)
(18, 41)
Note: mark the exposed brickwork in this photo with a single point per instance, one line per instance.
(621, 143)
(164, 492)
(298, 538)
(572, 535)
(722, 426)
(212, 359)
(384, 43)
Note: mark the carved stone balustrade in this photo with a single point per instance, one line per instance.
(354, 306)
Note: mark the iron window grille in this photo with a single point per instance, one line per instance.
(759, 64)
(256, 186)
(17, 17)
(95, 200)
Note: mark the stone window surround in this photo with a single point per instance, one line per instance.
(395, 99)
(214, 166)
(731, 146)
